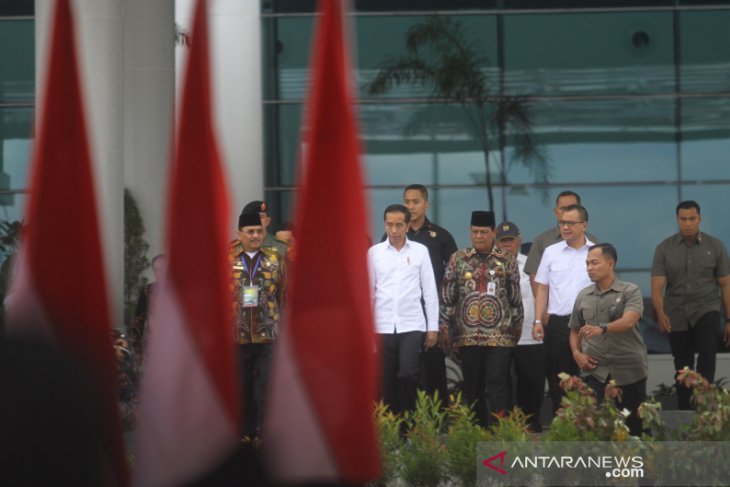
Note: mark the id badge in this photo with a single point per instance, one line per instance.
(491, 288)
(250, 296)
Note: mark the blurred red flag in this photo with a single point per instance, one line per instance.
(59, 293)
(320, 421)
(188, 420)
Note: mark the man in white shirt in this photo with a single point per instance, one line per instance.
(561, 276)
(528, 357)
(401, 276)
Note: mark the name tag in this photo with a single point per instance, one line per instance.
(250, 296)
(491, 288)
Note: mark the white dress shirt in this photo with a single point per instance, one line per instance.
(398, 281)
(563, 269)
(528, 304)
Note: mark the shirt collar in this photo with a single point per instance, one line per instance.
(389, 246)
(616, 285)
(678, 238)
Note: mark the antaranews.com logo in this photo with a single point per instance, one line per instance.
(616, 463)
(612, 466)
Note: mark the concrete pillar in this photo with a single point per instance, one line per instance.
(149, 96)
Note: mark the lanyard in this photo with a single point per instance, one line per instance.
(255, 268)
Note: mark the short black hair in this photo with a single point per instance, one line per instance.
(581, 209)
(417, 187)
(688, 205)
(606, 249)
(563, 194)
(398, 208)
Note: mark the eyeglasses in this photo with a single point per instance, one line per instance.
(567, 223)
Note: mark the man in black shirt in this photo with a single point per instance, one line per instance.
(440, 246)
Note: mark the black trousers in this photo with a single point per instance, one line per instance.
(558, 356)
(433, 374)
(400, 355)
(254, 364)
(704, 339)
(486, 372)
(529, 367)
(632, 395)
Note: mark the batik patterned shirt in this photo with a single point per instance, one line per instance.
(482, 303)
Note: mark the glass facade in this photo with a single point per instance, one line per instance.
(17, 101)
(629, 103)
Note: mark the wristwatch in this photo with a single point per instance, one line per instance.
(604, 327)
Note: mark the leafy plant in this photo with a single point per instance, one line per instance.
(391, 443)
(423, 454)
(440, 55)
(581, 418)
(462, 436)
(135, 255)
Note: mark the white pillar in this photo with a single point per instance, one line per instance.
(149, 85)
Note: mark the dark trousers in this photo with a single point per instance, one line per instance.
(433, 374)
(632, 395)
(529, 366)
(254, 364)
(486, 371)
(704, 339)
(558, 356)
(400, 355)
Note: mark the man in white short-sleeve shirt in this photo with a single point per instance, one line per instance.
(561, 276)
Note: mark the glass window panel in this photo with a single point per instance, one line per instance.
(287, 42)
(705, 139)
(15, 145)
(381, 39)
(454, 207)
(589, 53)
(17, 60)
(430, 143)
(306, 6)
(542, 4)
(9, 8)
(603, 140)
(283, 123)
(705, 45)
(280, 206)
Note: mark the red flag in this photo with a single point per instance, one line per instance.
(320, 421)
(60, 290)
(188, 421)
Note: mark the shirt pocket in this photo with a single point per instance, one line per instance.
(589, 315)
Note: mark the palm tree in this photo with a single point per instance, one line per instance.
(440, 56)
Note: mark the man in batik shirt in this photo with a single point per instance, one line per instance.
(482, 314)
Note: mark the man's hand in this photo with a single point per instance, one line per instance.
(443, 339)
(431, 337)
(537, 332)
(587, 331)
(585, 362)
(665, 326)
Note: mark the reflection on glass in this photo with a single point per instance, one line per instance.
(705, 139)
(589, 53)
(17, 60)
(15, 143)
(705, 47)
